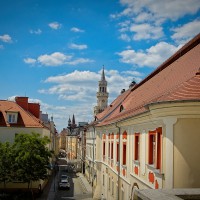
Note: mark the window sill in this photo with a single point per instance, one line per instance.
(124, 166)
(136, 162)
(156, 171)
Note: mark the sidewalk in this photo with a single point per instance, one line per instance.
(86, 186)
(49, 190)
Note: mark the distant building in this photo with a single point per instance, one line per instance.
(148, 137)
(102, 95)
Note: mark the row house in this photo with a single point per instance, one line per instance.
(90, 158)
(20, 116)
(149, 137)
(63, 139)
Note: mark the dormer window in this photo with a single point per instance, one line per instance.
(121, 108)
(12, 117)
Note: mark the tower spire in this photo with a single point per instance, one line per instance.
(103, 75)
(73, 120)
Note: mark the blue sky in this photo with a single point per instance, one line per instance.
(53, 51)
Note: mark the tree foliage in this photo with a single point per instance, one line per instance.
(6, 158)
(26, 160)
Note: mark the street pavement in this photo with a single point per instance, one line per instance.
(80, 188)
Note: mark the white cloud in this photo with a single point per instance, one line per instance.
(55, 25)
(37, 32)
(145, 17)
(54, 59)
(134, 73)
(30, 60)
(57, 59)
(146, 31)
(151, 57)
(80, 61)
(186, 32)
(80, 76)
(159, 9)
(76, 30)
(82, 85)
(6, 38)
(78, 46)
(125, 37)
(78, 89)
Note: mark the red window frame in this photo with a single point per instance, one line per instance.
(104, 148)
(124, 153)
(155, 143)
(117, 158)
(111, 150)
(137, 146)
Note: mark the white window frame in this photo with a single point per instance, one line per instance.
(12, 117)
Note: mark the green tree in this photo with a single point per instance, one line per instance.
(6, 158)
(31, 157)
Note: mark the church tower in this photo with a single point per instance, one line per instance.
(102, 95)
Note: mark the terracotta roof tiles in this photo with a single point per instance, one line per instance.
(25, 118)
(175, 79)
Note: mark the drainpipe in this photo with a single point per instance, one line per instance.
(119, 159)
(93, 161)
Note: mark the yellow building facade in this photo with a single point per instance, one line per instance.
(149, 136)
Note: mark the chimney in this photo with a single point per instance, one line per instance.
(34, 108)
(22, 101)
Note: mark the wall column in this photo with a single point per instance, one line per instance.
(169, 152)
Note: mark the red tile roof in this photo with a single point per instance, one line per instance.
(25, 118)
(175, 79)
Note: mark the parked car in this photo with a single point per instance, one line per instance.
(64, 177)
(64, 184)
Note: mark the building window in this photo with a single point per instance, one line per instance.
(112, 150)
(103, 180)
(152, 148)
(12, 117)
(117, 158)
(122, 194)
(109, 150)
(124, 154)
(121, 108)
(124, 137)
(155, 147)
(109, 183)
(137, 136)
(112, 187)
(104, 148)
(117, 192)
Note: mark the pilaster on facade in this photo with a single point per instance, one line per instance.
(169, 173)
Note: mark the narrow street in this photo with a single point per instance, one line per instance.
(76, 191)
(79, 187)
